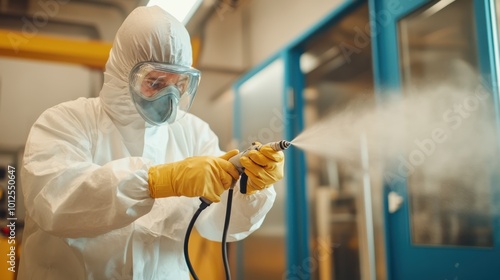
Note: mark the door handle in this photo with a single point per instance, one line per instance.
(394, 201)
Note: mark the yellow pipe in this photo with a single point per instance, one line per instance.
(196, 45)
(93, 54)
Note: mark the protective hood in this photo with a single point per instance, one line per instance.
(147, 34)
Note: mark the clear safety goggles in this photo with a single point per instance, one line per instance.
(163, 92)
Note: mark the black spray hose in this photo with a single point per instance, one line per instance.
(224, 234)
(202, 207)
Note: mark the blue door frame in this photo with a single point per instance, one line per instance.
(406, 261)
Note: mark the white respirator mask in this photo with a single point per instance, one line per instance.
(163, 93)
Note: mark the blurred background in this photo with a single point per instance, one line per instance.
(271, 70)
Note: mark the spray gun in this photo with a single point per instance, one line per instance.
(235, 160)
(277, 146)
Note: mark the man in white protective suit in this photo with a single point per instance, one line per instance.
(111, 183)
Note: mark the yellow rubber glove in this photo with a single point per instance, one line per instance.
(264, 167)
(204, 176)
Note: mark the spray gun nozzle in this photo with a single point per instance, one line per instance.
(280, 145)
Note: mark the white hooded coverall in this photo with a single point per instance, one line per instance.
(84, 177)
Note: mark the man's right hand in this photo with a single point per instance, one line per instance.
(199, 176)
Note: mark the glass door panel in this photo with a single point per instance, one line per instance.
(446, 228)
(437, 49)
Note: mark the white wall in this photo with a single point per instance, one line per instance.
(259, 28)
(275, 23)
(27, 88)
(106, 18)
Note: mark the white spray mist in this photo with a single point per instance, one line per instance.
(442, 131)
